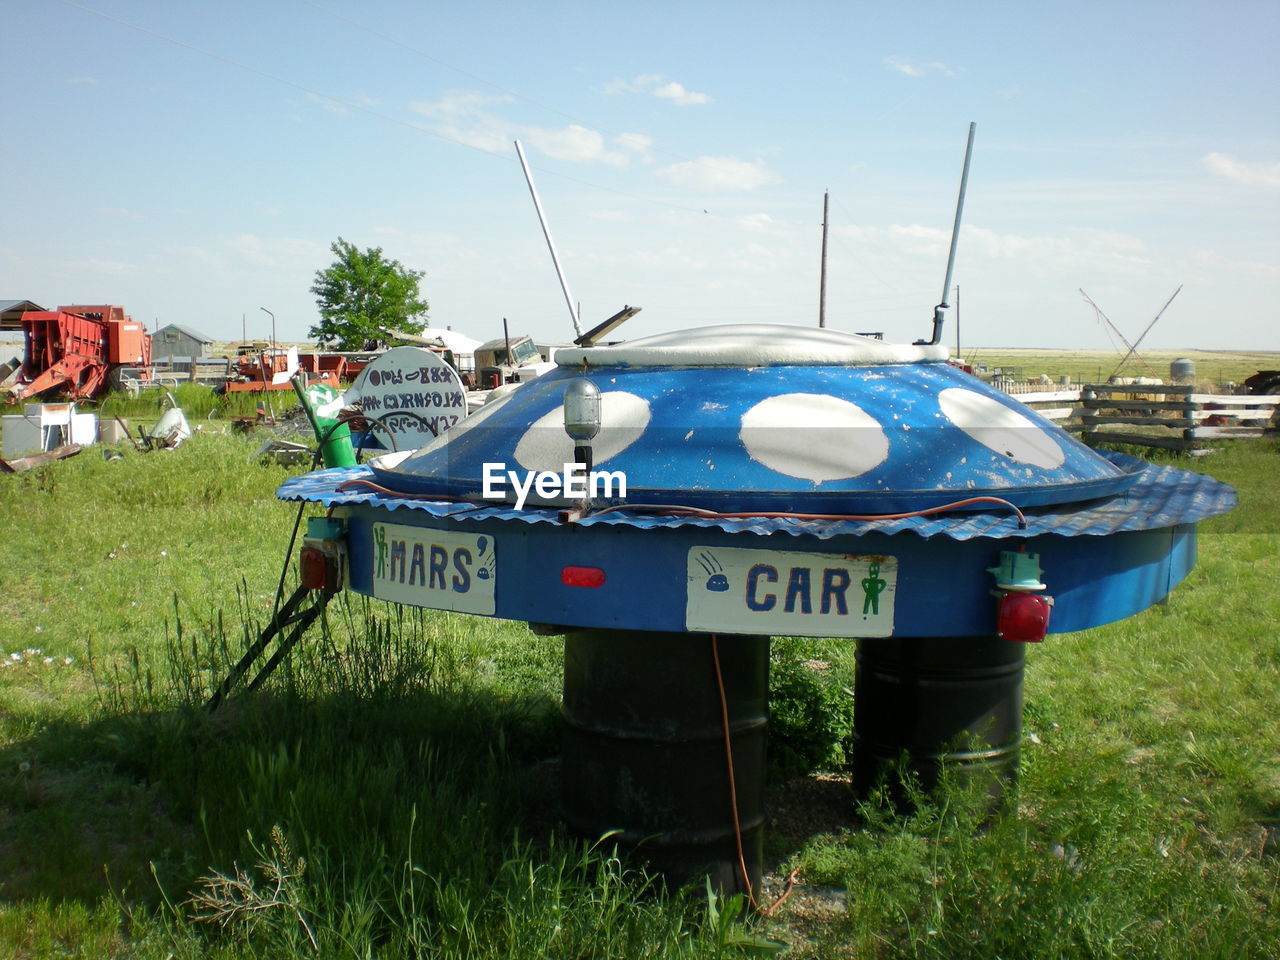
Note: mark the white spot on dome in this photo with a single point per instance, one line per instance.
(545, 446)
(813, 436)
(1000, 429)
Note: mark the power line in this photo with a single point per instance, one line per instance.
(364, 108)
(471, 76)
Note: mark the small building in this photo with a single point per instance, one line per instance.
(175, 340)
(11, 312)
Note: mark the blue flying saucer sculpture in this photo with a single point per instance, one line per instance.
(749, 481)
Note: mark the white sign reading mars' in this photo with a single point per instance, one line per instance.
(412, 393)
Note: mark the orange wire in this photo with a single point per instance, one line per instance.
(774, 515)
(378, 488)
(733, 787)
(712, 514)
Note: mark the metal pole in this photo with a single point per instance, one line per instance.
(958, 354)
(955, 237)
(822, 283)
(546, 232)
(273, 325)
(506, 338)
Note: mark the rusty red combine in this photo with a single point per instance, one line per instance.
(75, 349)
(273, 368)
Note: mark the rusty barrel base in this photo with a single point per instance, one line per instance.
(946, 703)
(644, 752)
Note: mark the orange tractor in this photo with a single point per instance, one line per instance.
(76, 349)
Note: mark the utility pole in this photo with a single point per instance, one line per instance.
(822, 283)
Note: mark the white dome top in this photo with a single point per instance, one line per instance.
(752, 345)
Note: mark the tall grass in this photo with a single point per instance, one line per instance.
(198, 401)
(392, 790)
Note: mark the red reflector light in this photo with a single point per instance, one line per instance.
(582, 577)
(313, 568)
(1023, 617)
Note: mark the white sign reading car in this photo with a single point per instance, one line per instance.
(789, 593)
(413, 393)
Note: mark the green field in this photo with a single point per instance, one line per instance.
(392, 791)
(1213, 368)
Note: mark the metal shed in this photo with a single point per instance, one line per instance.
(175, 340)
(11, 312)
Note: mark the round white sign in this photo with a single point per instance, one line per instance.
(413, 393)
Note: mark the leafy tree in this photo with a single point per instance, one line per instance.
(361, 293)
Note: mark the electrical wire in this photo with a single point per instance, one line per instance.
(733, 798)
(506, 92)
(733, 786)
(368, 111)
(789, 515)
(675, 509)
(388, 492)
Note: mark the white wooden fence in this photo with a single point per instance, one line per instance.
(1167, 416)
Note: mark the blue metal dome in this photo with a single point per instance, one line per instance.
(843, 441)
(770, 417)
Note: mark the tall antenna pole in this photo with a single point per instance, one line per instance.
(551, 245)
(822, 283)
(955, 236)
(958, 354)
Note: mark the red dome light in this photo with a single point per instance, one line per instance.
(1023, 617)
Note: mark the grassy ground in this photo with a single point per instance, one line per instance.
(1212, 367)
(392, 793)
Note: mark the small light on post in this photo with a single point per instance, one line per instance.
(323, 557)
(1023, 617)
(1022, 614)
(582, 417)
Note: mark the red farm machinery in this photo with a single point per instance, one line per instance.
(76, 350)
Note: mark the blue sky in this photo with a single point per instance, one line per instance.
(195, 160)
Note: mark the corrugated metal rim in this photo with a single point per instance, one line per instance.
(1164, 497)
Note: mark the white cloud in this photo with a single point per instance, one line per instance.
(328, 103)
(468, 118)
(656, 85)
(677, 94)
(342, 105)
(636, 144)
(757, 223)
(101, 266)
(1253, 174)
(611, 216)
(465, 117)
(574, 143)
(728, 174)
(279, 253)
(119, 213)
(1075, 248)
(918, 68)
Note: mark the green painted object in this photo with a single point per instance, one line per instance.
(334, 438)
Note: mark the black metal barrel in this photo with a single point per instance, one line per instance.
(645, 754)
(945, 702)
